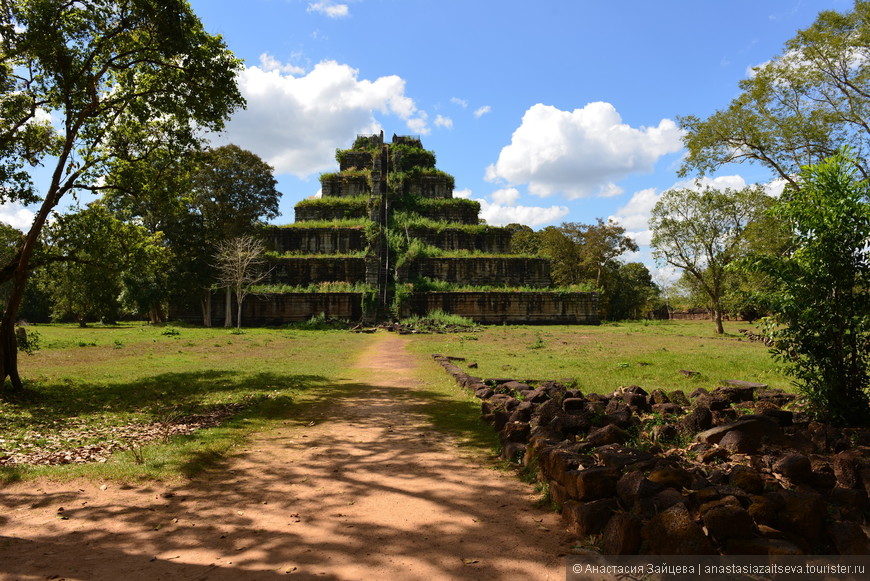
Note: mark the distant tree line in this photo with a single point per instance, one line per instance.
(588, 256)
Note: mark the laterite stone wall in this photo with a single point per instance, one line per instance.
(494, 308)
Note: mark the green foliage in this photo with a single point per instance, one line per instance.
(400, 182)
(350, 174)
(119, 80)
(28, 340)
(405, 158)
(97, 265)
(799, 107)
(702, 233)
(317, 287)
(438, 319)
(233, 190)
(336, 223)
(821, 297)
(349, 204)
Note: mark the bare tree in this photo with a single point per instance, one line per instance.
(240, 265)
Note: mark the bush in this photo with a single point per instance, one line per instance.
(820, 324)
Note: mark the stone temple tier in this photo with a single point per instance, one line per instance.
(387, 239)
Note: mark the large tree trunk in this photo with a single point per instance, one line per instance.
(205, 303)
(228, 309)
(717, 314)
(8, 344)
(239, 299)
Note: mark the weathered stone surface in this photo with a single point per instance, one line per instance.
(574, 404)
(727, 520)
(667, 409)
(513, 452)
(571, 425)
(850, 503)
(712, 402)
(747, 479)
(558, 493)
(697, 420)
(802, 512)
(516, 432)
(737, 394)
(620, 457)
(665, 432)
(678, 396)
(754, 426)
(849, 538)
(671, 477)
(846, 466)
(622, 536)
(663, 500)
(658, 396)
(739, 442)
(636, 402)
(594, 483)
(673, 532)
(633, 486)
(622, 418)
(588, 518)
(765, 508)
(610, 434)
(795, 467)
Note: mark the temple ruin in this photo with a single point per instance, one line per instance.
(387, 239)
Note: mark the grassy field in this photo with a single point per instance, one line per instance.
(85, 382)
(96, 386)
(600, 359)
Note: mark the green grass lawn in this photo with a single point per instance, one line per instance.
(87, 386)
(85, 383)
(602, 358)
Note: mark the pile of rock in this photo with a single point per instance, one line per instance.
(729, 471)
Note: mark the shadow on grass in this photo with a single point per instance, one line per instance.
(86, 413)
(180, 391)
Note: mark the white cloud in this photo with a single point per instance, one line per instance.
(270, 63)
(734, 182)
(501, 214)
(329, 8)
(634, 216)
(507, 196)
(418, 124)
(503, 209)
(16, 215)
(296, 121)
(481, 111)
(445, 122)
(580, 153)
(457, 101)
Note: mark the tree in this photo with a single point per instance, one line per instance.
(797, 109)
(232, 189)
(240, 265)
(109, 73)
(631, 292)
(602, 243)
(702, 233)
(821, 297)
(97, 264)
(197, 199)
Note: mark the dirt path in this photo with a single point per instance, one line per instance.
(363, 489)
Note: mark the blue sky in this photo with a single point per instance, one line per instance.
(547, 112)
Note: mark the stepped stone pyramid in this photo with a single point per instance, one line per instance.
(387, 239)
